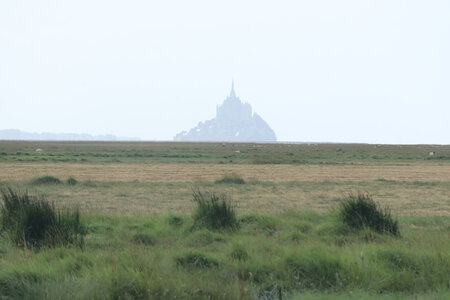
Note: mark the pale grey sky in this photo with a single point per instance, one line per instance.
(319, 70)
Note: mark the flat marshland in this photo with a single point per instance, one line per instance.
(141, 240)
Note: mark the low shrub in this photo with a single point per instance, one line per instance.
(30, 221)
(196, 260)
(316, 269)
(213, 211)
(71, 181)
(89, 183)
(46, 179)
(126, 284)
(360, 211)
(257, 273)
(400, 260)
(239, 253)
(14, 284)
(144, 239)
(368, 235)
(304, 226)
(204, 237)
(231, 179)
(260, 223)
(297, 236)
(176, 221)
(249, 219)
(257, 160)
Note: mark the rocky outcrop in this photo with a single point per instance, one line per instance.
(234, 122)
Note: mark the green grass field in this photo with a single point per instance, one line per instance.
(142, 242)
(221, 153)
(269, 257)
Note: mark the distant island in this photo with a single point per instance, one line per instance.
(15, 134)
(234, 122)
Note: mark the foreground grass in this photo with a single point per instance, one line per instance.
(299, 255)
(31, 221)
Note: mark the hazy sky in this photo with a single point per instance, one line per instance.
(319, 70)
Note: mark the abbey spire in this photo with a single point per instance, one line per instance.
(232, 93)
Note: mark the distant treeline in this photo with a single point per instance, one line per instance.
(14, 134)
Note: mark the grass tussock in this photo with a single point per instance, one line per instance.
(32, 222)
(89, 183)
(175, 221)
(213, 211)
(360, 211)
(46, 179)
(71, 181)
(231, 179)
(316, 269)
(239, 253)
(196, 260)
(127, 285)
(262, 224)
(144, 239)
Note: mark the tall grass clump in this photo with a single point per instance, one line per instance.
(32, 222)
(71, 181)
(176, 221)
(360, 211)
(46, 179)
(213, 211)
(231, 179)
(239, 253)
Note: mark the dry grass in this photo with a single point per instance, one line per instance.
(210, 172)
(405, 199)
(420, 188)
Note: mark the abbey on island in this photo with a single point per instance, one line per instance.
(234, 122)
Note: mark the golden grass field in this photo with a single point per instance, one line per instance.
(416, 189)
(174, 172)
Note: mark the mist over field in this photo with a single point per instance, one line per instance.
(217, 150)
(14, 134)
(347, 71)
